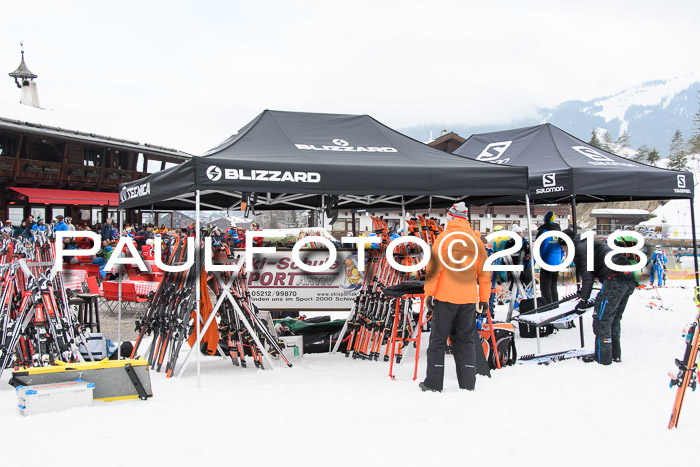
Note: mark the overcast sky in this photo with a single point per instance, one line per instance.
(189, 74)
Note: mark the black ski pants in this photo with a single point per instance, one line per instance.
(548, 284)
(461, 319)
(609, 306)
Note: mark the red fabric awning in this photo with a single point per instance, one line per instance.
(75, 197)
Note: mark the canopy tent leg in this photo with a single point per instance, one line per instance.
(695, 238)
(403, 213)
(532, 264)
(575, 229)
(119, 311)
(198, 289)
(354, 227)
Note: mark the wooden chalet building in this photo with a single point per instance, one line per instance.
(49, 171)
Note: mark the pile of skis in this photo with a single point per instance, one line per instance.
(37, 325)
(171, 317)
(687, 376)
(370, 324)
(168, 316)
(426, 229)
(242, 332)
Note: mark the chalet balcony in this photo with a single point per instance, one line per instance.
(7, 166)
(37, 170)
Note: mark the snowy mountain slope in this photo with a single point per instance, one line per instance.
(650, 112)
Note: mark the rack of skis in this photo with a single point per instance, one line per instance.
(37, 325)
(171, 318)
(368, 331)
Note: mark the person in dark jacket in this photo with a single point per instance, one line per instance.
(617, 286)
(23, 231)
(552, 254)
(106, 231)
(217, 237)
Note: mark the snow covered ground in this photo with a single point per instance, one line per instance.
(329, 410)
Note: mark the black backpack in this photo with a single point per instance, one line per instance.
(529, 331)
(504, 334)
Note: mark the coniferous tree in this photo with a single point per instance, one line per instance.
(694, 141)
(622, 143)
(608, 142)
(595, 142)
(623, 140)
(642, 154)
(653, 157)
(678, 155)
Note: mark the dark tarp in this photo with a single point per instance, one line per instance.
(562, 166)
(291, 159)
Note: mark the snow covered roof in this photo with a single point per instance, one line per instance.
(38, 126)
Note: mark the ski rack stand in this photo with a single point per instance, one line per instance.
(419, 332)
(226, 295)
(515, 286)
(416, 338)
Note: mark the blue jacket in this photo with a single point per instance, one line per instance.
(551, 251)
(658, 258)
(61, 227)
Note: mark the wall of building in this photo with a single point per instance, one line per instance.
(483, 219)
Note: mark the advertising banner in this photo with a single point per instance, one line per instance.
(277, 283)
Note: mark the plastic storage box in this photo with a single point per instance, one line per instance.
(293, 346)
(54, 397)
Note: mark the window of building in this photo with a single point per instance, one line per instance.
(503, 224)
(114, 215)
(165, 218)
(345, 225)
(16, 215)
(507, 216)
(123, 157)
(38, 212)
(96, 216)
(8, 145)
(153, 166)
(146, 218)
(55, 212)
(476, 225)
(92, 157)
(139, 162)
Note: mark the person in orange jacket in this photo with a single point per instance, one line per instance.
(454, 291)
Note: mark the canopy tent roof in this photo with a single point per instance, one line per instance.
(562, 166)
(290, 160)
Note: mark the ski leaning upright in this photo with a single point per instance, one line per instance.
(687, 368)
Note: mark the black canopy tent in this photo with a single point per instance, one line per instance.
(289, 160)
(565, 169)
(562, 166)
(292, 160)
